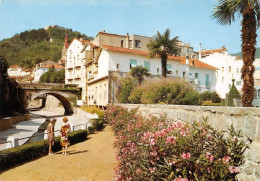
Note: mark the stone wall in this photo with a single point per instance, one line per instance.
(7, 122)
(245, 119)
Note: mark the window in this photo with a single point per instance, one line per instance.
(105, 91)
(117, 66)
(158, 70)
(222, 69)
(207, 79)
(133, 63)
(238, 70)
(137, 43)
(196, 75)
(258, 92)
(238, 82)
(169, 69)
(229, 68)
(70, 54)
(177, 73)
(122, 43)
(147, 65)
(183, 74)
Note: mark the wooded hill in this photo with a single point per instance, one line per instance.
(33, 46)
(257, 53)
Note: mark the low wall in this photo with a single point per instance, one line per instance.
(245, 119)
(7, 122)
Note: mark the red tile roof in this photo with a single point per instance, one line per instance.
(83, 41)
(182, 60)
(197, 63)
(214, 51)
(15, 66)
(51, 65)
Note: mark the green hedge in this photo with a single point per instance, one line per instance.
(97, 123)
(17, 155)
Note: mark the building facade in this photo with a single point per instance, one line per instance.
(92, 65)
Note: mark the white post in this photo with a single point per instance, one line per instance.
(13, 141)
(72, 127)
(85, 125)
(45, 135)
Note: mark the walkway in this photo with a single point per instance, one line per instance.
(91, 160)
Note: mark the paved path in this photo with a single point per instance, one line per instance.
(91, 160)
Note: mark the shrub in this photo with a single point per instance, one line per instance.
(94, 110)
(169, 92)
(210, 103)
(17, 155)
(91, 129)
(151, 148)
(136, 95)
(209, 96)
(124, 90)
(97, 123)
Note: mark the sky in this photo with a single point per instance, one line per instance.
(191, 20)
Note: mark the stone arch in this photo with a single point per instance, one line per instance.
(62, 97)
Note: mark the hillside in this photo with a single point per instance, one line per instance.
(257, 54)
(33, 46)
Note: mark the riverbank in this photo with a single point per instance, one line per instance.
(26, 129)
(91, 160)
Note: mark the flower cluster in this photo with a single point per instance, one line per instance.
(154, 148)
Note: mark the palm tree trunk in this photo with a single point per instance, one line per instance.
(248, 50)
(164, 65)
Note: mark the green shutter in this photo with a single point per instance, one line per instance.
(133, 63)
(147, 65)
(207, 79)
(169, 66)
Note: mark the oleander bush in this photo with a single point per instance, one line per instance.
(17, 155)
(154, 148)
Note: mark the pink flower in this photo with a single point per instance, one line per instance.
(226, 159)
(152, 169)
(233, 169)
(185, 155)
(138, 170)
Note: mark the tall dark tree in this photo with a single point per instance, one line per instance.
(139, 72)
(225, 13)
(163, 46)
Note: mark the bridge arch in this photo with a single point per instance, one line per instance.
(62, 97)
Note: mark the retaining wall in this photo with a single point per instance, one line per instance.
(7, 122)
(245, 119)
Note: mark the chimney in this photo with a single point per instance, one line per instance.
(200, 51)
(127, 40)
(187, 60)
(81, 39)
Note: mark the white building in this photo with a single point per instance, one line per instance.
(90, 65)
(45, 68)
(17, 71)
(229, 67)
(118, 59)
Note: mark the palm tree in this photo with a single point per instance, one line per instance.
(163, 46)
(139, 72)
(250, 11)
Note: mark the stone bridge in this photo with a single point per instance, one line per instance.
(40, 91)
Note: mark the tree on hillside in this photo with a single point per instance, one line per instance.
(139, 72)
(225, 13)
(163, 46)
(53, 76)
